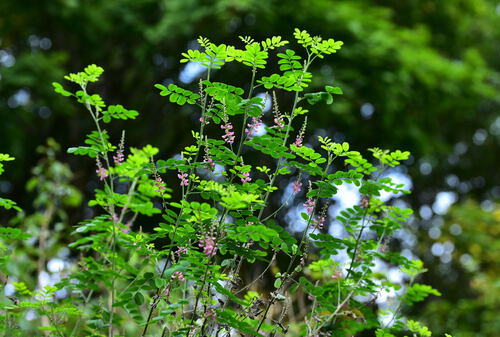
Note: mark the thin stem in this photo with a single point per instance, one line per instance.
(179, 216)
(348, 297)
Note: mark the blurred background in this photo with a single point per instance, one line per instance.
(417, 75)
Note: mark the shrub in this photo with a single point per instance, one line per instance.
(185, 275)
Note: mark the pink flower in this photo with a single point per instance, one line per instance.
(320, 223)
(246, 178)
(127, 228)
(279, 122)
(337, 275)
(298, 141)
(296, 186)
(229, 135)
(210, 314)
(183, 176)
(252, 127)
(181, 250)
(102, 173)
(209, 245)
(119, 157)
(365, 202)
(309, 204)
(205, 120)
(179, 276)
(209, 162)
(159, 185)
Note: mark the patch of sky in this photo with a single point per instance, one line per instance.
(494, 127)
(190, 72)
(6, 58)
(367, 110)
(398, 177)
(443, 202)
(19, 98)
(267, 101)
(480, 136)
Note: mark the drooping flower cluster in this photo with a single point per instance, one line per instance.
(229, 135)
(209, 245)
(178, 275)
(183, 176)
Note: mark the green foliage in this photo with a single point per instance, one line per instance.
(7, 203)
(182, 277)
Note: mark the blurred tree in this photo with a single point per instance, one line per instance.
(470, 304)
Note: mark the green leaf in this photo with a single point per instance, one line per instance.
(58, 88)
(139, 298)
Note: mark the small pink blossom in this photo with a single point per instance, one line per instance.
(179, 276)
(298, 141)
(118, 158)
(337, 275)
(279, 122)
(246, 178)
(210, 314)
(253, 127)
(127, 229)
(209, 245)
(229, 135)
(320, 223)
(309, 205)
(159, 185)
(181, 250)
(209, 162)
(365, 202)
(102, 173)
(205, 120)
(183, 176)
(296, 186)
